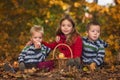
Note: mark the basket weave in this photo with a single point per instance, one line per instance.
(61, 63)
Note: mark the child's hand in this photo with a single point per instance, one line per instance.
(93, 66)
(37, 44)
(29, 43)
(57, 39)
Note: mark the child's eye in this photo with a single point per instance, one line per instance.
(93, 31)
(63, 25)
(98, 31)
(35, 37)
(69, 25)
(40, 37)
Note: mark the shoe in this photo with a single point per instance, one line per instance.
(8, 67)
(21, 66)
(77, 62)
(70, 62)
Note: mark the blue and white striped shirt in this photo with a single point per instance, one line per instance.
(93, 51)
(31, 55)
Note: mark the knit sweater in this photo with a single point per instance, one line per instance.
(76, 47)
(31, 55)
(93, 51)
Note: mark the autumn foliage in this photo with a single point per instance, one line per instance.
(17, 17)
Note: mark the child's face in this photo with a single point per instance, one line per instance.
(37, 37)
(93, 32)
(66, 27)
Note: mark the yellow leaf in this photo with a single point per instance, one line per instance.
(65, 7)
(76, 4)
(48, 14)
(85, 69)
(111, 37)
(117, 46)
(21, 47)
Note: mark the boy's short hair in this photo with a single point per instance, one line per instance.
(37, 28)
(92, 23)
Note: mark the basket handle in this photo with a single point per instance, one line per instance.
(61, 45)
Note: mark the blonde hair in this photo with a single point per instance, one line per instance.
(37, 28)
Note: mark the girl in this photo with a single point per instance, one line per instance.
(67, 33)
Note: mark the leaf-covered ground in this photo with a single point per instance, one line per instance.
(105, 73)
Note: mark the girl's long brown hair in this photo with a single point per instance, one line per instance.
(73, 34)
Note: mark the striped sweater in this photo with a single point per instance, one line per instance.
(31, 55)
(93, 51)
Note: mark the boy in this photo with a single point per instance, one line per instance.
(93, 47)
(34, 53)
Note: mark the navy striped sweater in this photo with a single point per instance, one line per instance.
(93, 51)
(31, 55)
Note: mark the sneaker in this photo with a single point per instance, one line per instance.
(8, 67)
(77, 62)
(21, 66)
(70, 62)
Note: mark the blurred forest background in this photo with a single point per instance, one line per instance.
(18, 16)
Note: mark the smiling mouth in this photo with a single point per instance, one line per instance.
(94, 36)
(65, 31)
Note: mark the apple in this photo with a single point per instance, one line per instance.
(61, 55)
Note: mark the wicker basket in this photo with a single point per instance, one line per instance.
(61, 63)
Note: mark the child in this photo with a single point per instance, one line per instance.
(67, 34)
(93, 47)
(33, 54)
(36, 52)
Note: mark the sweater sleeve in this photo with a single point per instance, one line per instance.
(47, 50)
(77, 48)
(23, 54)
(50, 45)
(99, 59)
(101, 53)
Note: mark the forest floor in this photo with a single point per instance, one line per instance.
(105, 73)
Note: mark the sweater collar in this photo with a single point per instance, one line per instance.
(62, 36)
(91, 41)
